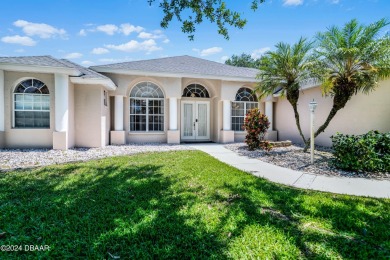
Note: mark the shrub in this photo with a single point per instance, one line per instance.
(256, 125)
(367, 152)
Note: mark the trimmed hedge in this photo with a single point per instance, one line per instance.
(368, 152)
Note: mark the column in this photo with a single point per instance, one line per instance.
(227, 115)
(173, 134)
(269, 113)
(271, 135)
(61, 98)
(227, 135)
(173, 113)
(118, 113)
(118, 136)
(2, 104)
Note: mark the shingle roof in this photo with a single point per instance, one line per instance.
(182, 65)
(46, 61)
(85, 72)
(49, 61)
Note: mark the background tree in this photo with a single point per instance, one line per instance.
(286, 69)
(243, 60)
(215, 11)
(353, 59)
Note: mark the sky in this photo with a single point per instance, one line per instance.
(92, 32)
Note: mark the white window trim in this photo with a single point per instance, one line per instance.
(245, 112)
(147, 115)
(14, 110)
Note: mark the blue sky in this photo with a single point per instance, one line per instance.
(105, 31)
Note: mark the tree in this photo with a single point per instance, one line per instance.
(243, 60)
(215, 11)
(287, 69)
(353, 59)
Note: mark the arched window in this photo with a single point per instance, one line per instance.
(31, 104)
(196, 90)
(146, 108)
(245, 100)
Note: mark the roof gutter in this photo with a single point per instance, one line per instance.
(106, 83)
(39, 69)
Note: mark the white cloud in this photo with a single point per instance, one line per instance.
(17, 39)
(109, 29)
(156, 35)
(209, 51)
(133, 46)
(292, 2)
(259, 52)
(87, 63)
(100, 51)
(73, 55)
(166, 40)
(127, 28)
(334, 2)
(224, 58)
(82, 32)
(20, 50)
(41, 30)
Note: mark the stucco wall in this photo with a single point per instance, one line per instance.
(26, 138)
(361, 114)
(105, 118)
(88, 114)
(71, 123)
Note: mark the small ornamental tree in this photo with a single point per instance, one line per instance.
(256, 125)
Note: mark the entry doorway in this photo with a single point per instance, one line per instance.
(195, 120)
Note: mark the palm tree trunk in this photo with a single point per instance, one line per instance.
(297, 121)
(292, 97)
(339, 101)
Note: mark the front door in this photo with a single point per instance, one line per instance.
(195, 120)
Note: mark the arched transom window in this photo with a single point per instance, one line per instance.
(31, 104)
(196, 90)
(146, 108)
(245, 100)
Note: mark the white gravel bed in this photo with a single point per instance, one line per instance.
(294, 158)
(26, 158)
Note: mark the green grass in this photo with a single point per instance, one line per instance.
(181, 205)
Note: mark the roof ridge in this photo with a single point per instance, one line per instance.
(81, 67)
(30, 56)
(125, 62)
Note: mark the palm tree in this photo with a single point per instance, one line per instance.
(353, 59)
(287, 69)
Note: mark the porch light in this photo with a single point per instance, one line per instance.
(312, 106)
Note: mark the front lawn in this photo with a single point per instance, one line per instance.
(182, 204)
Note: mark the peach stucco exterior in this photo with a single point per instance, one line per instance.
(88, 118)
(94, 111)
(173, 88)
(364, 112)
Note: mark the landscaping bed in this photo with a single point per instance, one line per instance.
(26, 158)
(294, 158)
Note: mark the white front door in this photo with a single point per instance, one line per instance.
(195, 120)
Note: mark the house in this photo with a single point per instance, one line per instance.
(55, 103)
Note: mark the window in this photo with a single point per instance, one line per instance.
(196, 90)
(245, 100)
(31, 105)
(146, 108)
(105, 97)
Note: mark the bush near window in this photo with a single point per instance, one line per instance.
(256, 125)
(367, 152)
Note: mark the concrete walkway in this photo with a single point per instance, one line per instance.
(341, 185)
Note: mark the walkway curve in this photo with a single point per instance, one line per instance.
(340, 185)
